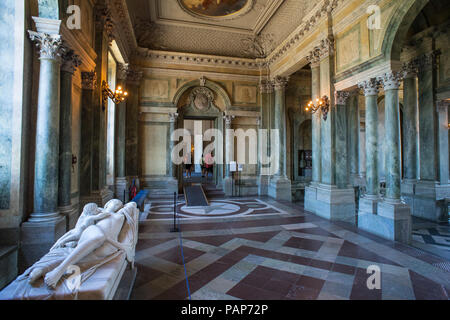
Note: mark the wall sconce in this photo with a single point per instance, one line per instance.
(117, 96)
(320, 104)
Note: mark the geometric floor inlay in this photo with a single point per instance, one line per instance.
(283, 253)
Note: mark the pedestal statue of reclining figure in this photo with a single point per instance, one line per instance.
(94, 238)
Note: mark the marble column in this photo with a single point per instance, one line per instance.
(368, 203)
(353, 138)
(45, 225)
(431, 190)
(229, 155)
(71, 61)
(88, 84)
(132, 126)
(121, 182)
(280, 185)
(266, 92)
(394, 216)
(342, 165)
(410, 133)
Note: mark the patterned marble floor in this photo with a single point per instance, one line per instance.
(281, 254)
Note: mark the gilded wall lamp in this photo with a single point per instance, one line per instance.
(117, 96)
(322, 104)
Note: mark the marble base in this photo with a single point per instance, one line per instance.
(408, 188)
(121, 188)
(331, 203)
(429, 201)
(38, 238)
(368, 205)
(393, 222)
(280, 188)
(228, 186)
(263, 185)
(72, 214)
(98, 197)
(8, 265)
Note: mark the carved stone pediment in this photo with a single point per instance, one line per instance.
(201, 98)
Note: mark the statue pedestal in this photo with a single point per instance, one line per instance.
(121, 187)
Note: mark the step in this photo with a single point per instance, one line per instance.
(8, 265)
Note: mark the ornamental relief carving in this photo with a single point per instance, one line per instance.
(201, 98)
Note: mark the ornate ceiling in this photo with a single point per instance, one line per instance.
(235, 28)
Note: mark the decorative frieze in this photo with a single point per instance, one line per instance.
(314, 57)
(326, 48)
(89, 80)
(50, 45)
(391, 80)
(104, 21)
(370, 87)
(341, 97)
(280, 83)
(70, 61)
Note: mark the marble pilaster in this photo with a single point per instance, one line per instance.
(342, 165)
(71, 61)
(121, 182)
(353, 138)
(280, 185)
(266, 92)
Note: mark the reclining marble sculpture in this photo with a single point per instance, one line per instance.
(93, 243)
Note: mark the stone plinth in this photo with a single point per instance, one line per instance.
(121, 188)
(263, 185)
(368, 204)
(429, 201)
(228, 186)
(280, 188)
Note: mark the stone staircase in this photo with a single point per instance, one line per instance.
(8, 265)
(212, 192)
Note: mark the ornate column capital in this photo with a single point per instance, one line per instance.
(173, 116)
(265, 86)
(410, 69)
(280, 83)
(89, 80)
(314, 57)
(134, 76)
(50, 45)
(341, 97)
(370, 87)
(70, 61)
(228, 120)
(104, 21)
(391, 80)
(442, 105)
(326, 48)
(122, 71)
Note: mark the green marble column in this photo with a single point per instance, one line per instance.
(427, 118)
(410, 124)
(316, 119)
(47, 129)
(88, 83)
(172, 120)
(353, 137)
(132, 125)
(120, 125)
(443, 121)
(391, 83)
(280, 84)
(370, 88)
(229, 155)
(70, 62)
(266, 92)
(342, 179)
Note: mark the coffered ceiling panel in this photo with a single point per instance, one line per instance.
(236, 28)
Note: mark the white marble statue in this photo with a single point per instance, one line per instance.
(95, 238)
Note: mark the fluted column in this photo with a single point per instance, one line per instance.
(391, 83)
(71, 61)
(47, 129)
(314, 59)
(370, 88)
(410, 123)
